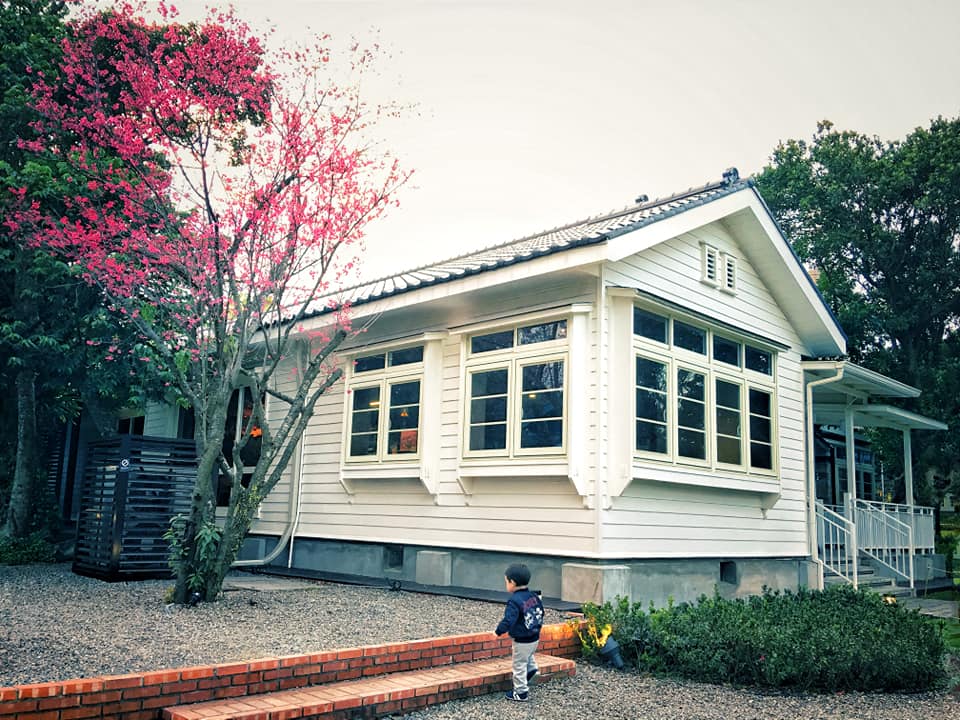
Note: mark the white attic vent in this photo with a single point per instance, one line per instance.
(729, 273)
(710, 261)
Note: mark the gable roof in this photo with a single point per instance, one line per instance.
(614, 235)
(590, 231)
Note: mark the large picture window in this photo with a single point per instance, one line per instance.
(515, 402)
(384, 406)
(702, 397)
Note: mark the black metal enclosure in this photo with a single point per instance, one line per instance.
(132, 486)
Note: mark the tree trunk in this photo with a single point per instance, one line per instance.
(203, 513)
(28, 486)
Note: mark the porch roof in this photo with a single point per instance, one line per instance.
(854, 387)
(867, 415)
(855, 381)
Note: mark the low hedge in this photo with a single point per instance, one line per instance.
(34, 548)
(835, 639)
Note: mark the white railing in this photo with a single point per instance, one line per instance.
(885, 538)
(918, 517)
(836, 544)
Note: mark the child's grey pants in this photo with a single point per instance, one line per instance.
(523, 663)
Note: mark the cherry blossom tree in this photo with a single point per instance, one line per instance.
(225, 189)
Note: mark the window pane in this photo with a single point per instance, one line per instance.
(691, 385)
(691, 414)
(541, 433)
(651, 374)
(491, 341)
(759, 402)
(363, 445)
(648, 325)
(407, 356)
(728, 422)
(488, 410)
(692, 444)
(370, 362)
(761, 456)
(728, 395)
(542, 399)
(542, 333)
(407, 393)
(492, 382)
(366, 398)
(651, 405)
(759, 429)
(365, 421)
(728, 450)
(726, 351)
(402, 442)
(689, 337)
(488, 437)
(542, 405)
(758, 360)
(651, 437)
(405, 418)
(542, 376)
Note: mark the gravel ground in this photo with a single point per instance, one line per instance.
(55, 625)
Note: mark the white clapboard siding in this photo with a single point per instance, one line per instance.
(274, 512)
(664, 519)
(541, 514)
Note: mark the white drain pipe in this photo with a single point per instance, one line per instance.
(811, 470)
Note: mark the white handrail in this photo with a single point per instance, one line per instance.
(885, 538)
(836, 544)
(918, 517)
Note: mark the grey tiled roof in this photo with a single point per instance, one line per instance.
(566, 237)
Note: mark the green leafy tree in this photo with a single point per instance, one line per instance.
(54, 329)
(880, 220)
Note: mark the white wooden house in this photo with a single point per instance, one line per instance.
(625, 403)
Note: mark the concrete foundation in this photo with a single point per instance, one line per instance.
(565, 578)
(433, 568)
(583, 582)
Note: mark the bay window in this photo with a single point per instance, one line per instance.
(384, 406)
(515, 403)
(702, 397)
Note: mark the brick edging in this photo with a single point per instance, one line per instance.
(142, 696)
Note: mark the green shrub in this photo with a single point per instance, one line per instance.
(836, 639)
(34, 548)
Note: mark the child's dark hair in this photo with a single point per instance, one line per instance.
(519, 574)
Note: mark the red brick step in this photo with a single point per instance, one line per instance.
(390, 694)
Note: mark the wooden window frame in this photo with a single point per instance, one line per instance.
(384, 379)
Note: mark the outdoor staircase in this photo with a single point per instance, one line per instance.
(376, 696)
(868, 578)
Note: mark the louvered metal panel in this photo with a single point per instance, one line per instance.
(132, 486)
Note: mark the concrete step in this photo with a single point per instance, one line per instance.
(393, 693)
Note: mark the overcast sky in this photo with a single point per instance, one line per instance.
(534, 114)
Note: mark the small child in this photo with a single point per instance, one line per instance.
(522, 618)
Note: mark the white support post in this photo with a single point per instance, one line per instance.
(908, 467)
(851, 457)
(851, 491)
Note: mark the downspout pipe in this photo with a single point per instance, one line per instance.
(293, 507)
(811, 471)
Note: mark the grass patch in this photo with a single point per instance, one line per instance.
(951, 634)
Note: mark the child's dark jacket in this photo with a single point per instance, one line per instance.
(523, 616)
